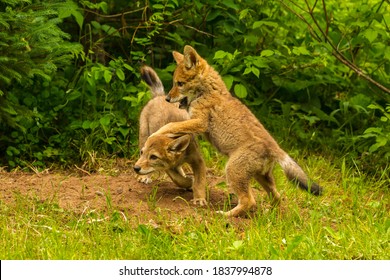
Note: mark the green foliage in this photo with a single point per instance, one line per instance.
(380, 134)
(32, 48)
(314, 76)
(103, 121)
(309, 70)
(29, 33)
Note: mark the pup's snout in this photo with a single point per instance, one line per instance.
(137, 168)
(168, 98)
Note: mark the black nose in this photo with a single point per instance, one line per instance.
(168, 98)
(137, 168)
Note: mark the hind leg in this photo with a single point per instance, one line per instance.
(267, 181)
(238, 179)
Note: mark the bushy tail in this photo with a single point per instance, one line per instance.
(151, 78)
(295, 174)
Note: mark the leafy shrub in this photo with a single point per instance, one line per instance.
(378, 137)
(32, 48)
(297, 66)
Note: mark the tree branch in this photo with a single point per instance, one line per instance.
(326, 39)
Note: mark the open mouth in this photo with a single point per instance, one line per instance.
(183, 103)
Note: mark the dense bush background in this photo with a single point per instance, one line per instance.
(315, 72)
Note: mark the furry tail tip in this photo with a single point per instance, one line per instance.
(310, 187)
(295, 174)
(153, 81)
(148, 75)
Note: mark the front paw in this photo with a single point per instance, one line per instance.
(199, 201)
(146, 179)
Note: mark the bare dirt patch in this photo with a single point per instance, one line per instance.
(77, 191)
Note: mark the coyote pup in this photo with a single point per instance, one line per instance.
(164, 153)
(232, 129)
(156, 113)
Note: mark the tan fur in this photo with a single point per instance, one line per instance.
(157, 112)
(232, 129)
(163, 153)
(154, 115)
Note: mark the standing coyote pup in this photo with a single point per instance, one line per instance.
(232, 129)
(165, 153)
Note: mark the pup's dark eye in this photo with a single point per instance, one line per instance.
(180, 84)
(153, 157)
(141, 152)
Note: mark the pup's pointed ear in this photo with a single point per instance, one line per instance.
(178, 57)
(191, 57)
(180, 144)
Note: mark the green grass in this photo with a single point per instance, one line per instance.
(350, 221)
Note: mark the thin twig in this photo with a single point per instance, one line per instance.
(335, 52)
(116, 15)
(199, 31)
(311, 30)
(326, 18)
(82, 170)
(345, 61)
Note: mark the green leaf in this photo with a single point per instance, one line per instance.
(220, 54)
(124, 131)
(376, 130)
(94, 124)
(256, 71)
(260, 62)
(387, 53)
(105, 120)
(247, 70)
(96, 25)
(267, 53)
(230, 4)
(370, 34)
(158, 6)
(78, 17)
(110, 30)
(73, 94)
(300, 51)
(86, 124)
(243, 14)
(120, 74)
(103, 6)
(228, 80)
(109, 140)
(381, 141)
(258, 24)
(128, 67)
(375, 106)
(29, 100)
(240, 91)
(107, 76)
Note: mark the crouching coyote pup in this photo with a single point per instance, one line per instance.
(164, 153)
(156, 113)
(232, 129)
